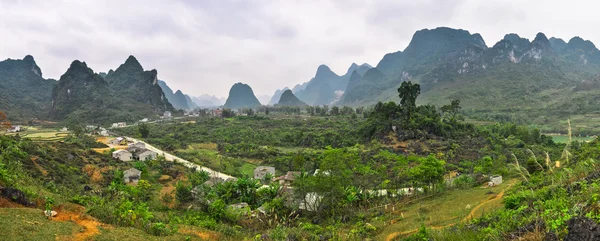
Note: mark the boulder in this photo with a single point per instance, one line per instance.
(582, 228)
(50, 213)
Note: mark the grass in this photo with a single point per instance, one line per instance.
(248, 169)
(446, 209)
(30, 224)
(131, 234)
(565, 138)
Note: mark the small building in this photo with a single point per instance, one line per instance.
(262, 171)
(132, 175)
(104, 133)
(64, 129)
(137, 145)
(118, 141)
(495, 180)
(288, 178)
(14, 129)
(119, 124)
(217, 112)
(144, 120)
(167, 114)
(122, 155)
(146, 155)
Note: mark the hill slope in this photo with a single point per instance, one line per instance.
(175, 99)
(24, 93)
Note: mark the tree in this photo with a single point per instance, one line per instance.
(144, 130)
(408, 93)
(335, 110)
(266, 110)
(452, 109)
(4, 123)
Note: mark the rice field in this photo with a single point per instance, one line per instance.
(565, 138)
(40, 134)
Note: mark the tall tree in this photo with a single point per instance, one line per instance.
(452, 109)
(408, 93)
(144, 130)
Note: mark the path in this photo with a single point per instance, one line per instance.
(394, 235)
(170, 157)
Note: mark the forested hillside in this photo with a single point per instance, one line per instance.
(24, 93)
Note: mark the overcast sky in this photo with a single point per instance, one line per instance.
(207, 46)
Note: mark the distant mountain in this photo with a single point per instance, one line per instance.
(241, 96)
(299, 87)
(289, 99)
(24, 93)
(321, 90)
(177, 99)
(190, 103)
(141, 86)
(276, 96)
(207, 101)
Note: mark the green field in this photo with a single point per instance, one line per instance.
(565, 138)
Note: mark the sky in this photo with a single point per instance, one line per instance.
(205, 46)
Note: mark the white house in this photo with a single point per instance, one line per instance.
(495, 180)
(132, 175)
(122, 155)
(167, 114)
(137, 145)
(64, 129)
(119, 124)
(14, 129)
(144, 120)
(104, 133)
(147, 155)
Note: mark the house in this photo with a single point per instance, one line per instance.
(137, 144)
(144, 120)
(167, 114)
(217, 112)
(104, 133)
(132, 175)
(288, 178)
(261, 171)
(146, 155)
(64, 129)
(14, 129)
(91, 127)
(122, 155)
(118, 141)
(119, 124)
(495, 180)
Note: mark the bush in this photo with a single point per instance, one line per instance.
(464, 182)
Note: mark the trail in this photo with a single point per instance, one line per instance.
(90, 225)
(392, 236)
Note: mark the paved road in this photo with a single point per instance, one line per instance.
(173, 158)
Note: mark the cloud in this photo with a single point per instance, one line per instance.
(207, 46)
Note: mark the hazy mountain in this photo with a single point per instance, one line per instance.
(24, 93)
(177, 99)
(299, 87)
(190, 102)
(324, 88)
(289, 99)
(241, 96)
(276, 96)
(207, 101)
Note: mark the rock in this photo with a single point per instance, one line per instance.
(582, 228)
(87, 188)
(15, 195)
(50, 213)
